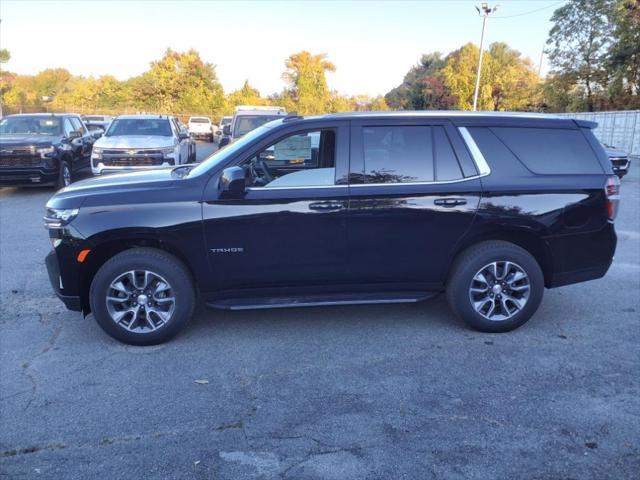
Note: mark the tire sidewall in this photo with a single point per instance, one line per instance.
(164, 266)
(64, 165)
(459, 287)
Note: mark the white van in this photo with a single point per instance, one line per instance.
(247, 118)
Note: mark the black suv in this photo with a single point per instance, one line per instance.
(43, 149)
(343, 209)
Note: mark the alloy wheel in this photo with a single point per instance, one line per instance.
(140, 301)
(66, 175)
(499, 290)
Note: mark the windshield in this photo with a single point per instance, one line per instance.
(139, 126)
(93, 118)
(220, 156)
(246, 123)
(199, 120)
(45, 125)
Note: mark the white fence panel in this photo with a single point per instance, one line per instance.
(620, 129)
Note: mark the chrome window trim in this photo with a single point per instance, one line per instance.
(404, 184)
(476, 154)
(265, 188)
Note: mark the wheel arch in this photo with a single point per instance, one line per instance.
(103, 251)
(524, 238)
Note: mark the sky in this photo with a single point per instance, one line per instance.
(372, 43)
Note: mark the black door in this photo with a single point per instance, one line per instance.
(290, 227)
(414, 194)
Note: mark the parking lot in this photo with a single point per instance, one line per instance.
(351, 392)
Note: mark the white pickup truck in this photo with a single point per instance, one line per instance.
(201, 127)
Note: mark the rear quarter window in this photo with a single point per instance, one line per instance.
(550, 150)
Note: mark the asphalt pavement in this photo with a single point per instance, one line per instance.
(353, 392)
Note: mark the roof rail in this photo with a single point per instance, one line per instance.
(291, 116)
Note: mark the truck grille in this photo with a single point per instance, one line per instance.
(20, 162)
(132, 158)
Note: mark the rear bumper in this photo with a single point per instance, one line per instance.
(201, 134)
(27, 176)
(578, 276)
(72, 302)
(581, 257)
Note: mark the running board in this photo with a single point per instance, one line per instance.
(320, 300)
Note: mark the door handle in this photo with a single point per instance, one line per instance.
(449, 202)
(326, 206)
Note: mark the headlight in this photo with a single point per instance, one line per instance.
(45, 150)
(168, 152)
(96, 153)
(57, 217)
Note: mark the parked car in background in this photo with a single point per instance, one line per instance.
(97, 122)
(43, 149)
(619, 160)
(226, 120)
(344, 209)
(191, 142)
(247, 118)
(201, 127)
(138, 142)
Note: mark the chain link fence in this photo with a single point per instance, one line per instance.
(619, 129)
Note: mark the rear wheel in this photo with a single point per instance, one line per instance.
(142, 296)
(495, 286)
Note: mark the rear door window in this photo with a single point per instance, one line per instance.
(408, 154)
(550, 150)
(397, 154)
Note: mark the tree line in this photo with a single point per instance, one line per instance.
(180, 82)
(593, 50)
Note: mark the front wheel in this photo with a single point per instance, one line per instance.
(142, 296)
(495, 286)
(65, 174)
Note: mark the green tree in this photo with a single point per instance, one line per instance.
(6, 78)
(579, 43)
(247, 95)
(179, 82)
(306, 81)
(624, 55)
(459, 74)
(423, 87)
(513, 80)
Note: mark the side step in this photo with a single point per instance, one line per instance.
(320, 300)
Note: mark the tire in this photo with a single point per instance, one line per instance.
(162, 309)
(513, 306)
(193, 155)
(211, 138)
(65, 175)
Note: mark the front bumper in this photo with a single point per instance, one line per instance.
(27, 176)
(72, 302)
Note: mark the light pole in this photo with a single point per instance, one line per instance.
(484, 12)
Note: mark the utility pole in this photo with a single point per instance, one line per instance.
(484, 12)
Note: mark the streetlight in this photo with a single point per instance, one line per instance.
(484, 12)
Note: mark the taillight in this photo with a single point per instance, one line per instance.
(612, 190)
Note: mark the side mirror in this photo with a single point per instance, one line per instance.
(226, 129)
(183, 135)
(232, 182)
(97, 133)
(75, 134)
